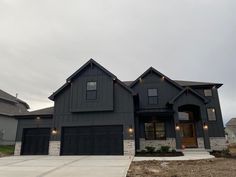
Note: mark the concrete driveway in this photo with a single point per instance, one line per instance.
(64, 166)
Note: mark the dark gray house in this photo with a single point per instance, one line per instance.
(9, 106)
(97, 114)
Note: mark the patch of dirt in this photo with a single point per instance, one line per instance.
(220, 167)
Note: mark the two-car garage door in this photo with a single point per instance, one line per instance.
(92, 140)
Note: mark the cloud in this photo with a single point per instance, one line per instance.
(43, 42)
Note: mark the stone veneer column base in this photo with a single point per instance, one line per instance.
(129, 147)
(157, 143)
(17, 150)
(218, 143)
(54, 148)
(200, 142)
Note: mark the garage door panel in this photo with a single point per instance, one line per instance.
(92, 140)
(35, 141)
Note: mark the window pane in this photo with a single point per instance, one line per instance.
(208, 92)
(91, 85)
(91, 95)
(183, 116)
(160, 130)
(152, 92)
(152, 100)
(211, 114)
(149, 131)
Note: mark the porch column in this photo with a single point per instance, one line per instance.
(205, 131)
(177, 132)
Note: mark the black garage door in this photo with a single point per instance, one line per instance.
(92, 140)
(35, 141)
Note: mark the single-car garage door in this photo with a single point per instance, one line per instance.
(92, 140)
(35, 141)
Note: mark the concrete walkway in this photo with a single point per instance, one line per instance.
(64, 166)
(180, 158)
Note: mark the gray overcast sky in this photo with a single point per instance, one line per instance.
(43, 42)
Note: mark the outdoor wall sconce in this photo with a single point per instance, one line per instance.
(205, 126)
(177, 127)
(38, 118)
(163, 78)
(54, 131)
(131, 130)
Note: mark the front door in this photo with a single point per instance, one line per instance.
(188, 135)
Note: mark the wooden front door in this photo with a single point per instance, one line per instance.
(188, 135)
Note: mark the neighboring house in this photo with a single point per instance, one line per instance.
(97, 114)
(9, 106)
(230, 131)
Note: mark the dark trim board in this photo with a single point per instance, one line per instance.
(92, 140)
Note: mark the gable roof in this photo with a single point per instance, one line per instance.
(188, 89)
(231, 122)
(195, 83)
(7, 97)
(45, 112)
(186, 83)
(151, 69)
(90, 62)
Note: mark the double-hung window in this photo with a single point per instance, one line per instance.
(91, 90)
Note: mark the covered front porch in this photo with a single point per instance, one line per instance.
(178, 127)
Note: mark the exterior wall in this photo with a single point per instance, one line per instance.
(9, 107)
(104, 100)
(17, 148)
(200, 142)
(8, 127)
(129, 147)
(166, 91)
(157, 143)
(31, 123)
(231, 136)
(216, 128)
(54, 148)
(218, 143)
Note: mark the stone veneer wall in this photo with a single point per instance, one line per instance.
(129, 147)
(54, 148)
(218, 143)
(200, 142)
(17, 148)
(157, 143)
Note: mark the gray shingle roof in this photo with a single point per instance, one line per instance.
(44, 111)
(185, 83)
(6, 96)
(231, 122)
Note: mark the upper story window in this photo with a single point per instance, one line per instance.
(155, 131)
(211, 113)
(91, 90)
(152, 96)
(208, 92)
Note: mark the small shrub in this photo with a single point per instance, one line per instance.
(225, 152)
(150, 149)
(173, 151)
(143, 151)
(165, 149)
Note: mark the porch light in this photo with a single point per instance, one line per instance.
(205, 126)
(177, 127)
(163, 78)
(131, 130)
(54, 131)
(38, 118)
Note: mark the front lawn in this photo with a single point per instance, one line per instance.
(6, 150)
(219, 167)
